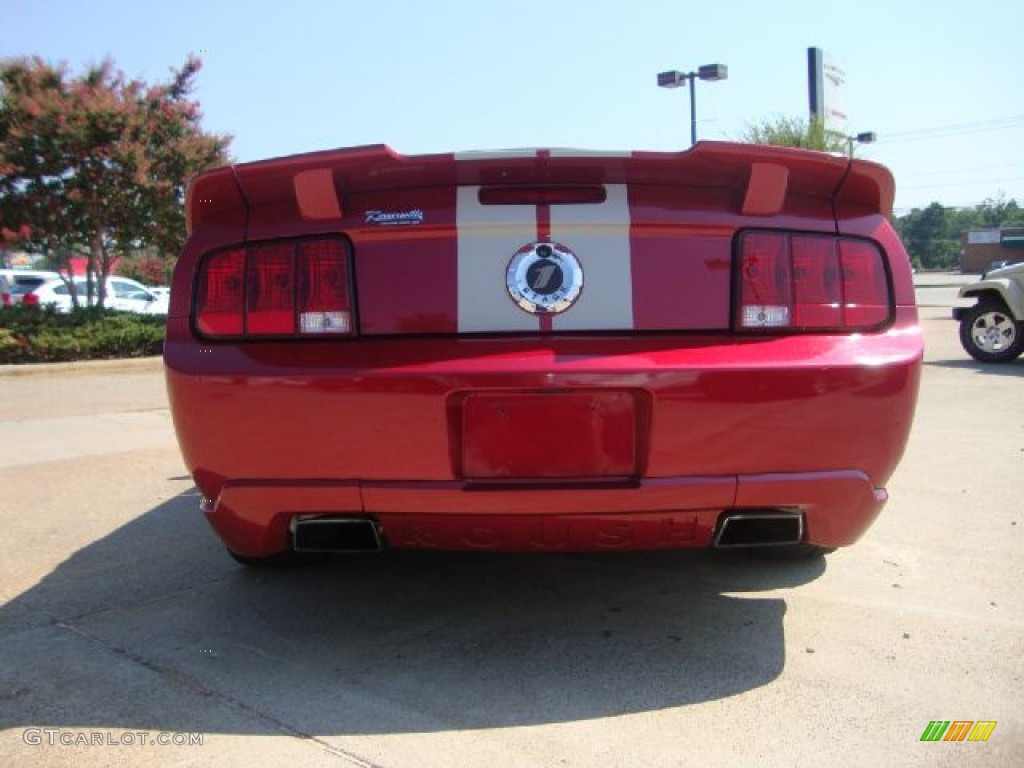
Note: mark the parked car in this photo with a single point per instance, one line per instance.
(992, 331)
(543, 350)
(121, 293)
(15, 283)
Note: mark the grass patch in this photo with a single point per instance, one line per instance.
(30, 334)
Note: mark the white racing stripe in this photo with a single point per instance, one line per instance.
(599, 236)
(489, 235)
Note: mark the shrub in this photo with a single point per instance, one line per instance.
(31, 334)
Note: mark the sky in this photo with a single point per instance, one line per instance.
(941, 83)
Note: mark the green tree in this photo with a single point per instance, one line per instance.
(98, 164)
(795, 132)
(928, 237)
(147, 267)
(997, 212)
(933, 236)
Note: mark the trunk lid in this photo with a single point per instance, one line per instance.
(484, 242)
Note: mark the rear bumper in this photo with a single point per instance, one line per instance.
(379, 429)
(253, 517)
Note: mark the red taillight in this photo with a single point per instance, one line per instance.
(270, 290)
(324, 305)
(276, 289)
(865, 286)
(817, 287)
(806, 282)
(767, 282)
(220, 298)
(31, 299)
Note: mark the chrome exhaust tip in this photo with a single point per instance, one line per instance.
(325, 533)
(759, 529)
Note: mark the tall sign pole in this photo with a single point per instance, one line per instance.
(826, 81)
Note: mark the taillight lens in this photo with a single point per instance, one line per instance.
(324, 288)
(220, 298)
(30, 299)
(810, 282)
(292, 288)
(865, 285)
(767, 282)
(817, 283)
(270, 290)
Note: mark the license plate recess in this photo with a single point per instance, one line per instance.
(544, 436)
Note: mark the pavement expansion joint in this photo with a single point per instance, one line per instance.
(184, 680)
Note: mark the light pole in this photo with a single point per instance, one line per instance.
(674, 78)
(868, 137)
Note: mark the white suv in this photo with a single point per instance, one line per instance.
(15, 283)
(122, 293)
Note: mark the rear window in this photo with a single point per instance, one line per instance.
(30, 282)
(25, 285)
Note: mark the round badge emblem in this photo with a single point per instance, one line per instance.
(544, 278)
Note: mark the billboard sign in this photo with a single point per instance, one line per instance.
(826, 81)
(983, 237)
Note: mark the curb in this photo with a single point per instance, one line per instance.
(125, 365)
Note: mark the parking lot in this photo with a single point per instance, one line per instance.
(122, 615)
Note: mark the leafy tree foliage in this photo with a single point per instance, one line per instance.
(932, 235)
(928, 237)
(796, 132)
(999, 212)
(147, 267)
(97, 164)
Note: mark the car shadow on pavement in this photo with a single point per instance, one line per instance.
(154, 627)
(1013, 368)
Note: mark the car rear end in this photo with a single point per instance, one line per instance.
(19, 287)
(542, 350)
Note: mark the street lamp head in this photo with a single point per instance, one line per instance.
(674, 78)
(713, 72)
(671, 79)
(867, 137)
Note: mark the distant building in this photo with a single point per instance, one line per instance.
(980, 247)
(23, 260)
(19, 259)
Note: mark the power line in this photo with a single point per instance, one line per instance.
(953, 129)
(902, 210)
(950, 171)
(999, 122)
(966, 183)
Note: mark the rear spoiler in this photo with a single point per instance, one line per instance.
(319, 184)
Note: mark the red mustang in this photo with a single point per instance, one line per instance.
(543, 350)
